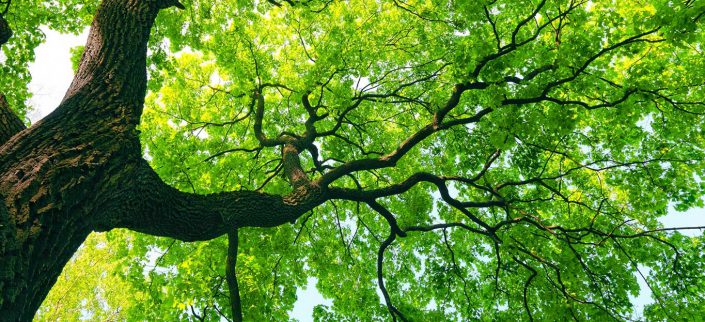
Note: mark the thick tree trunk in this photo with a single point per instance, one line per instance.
(55, 174)
(80, 169)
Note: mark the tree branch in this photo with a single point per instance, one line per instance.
(439, 182)
(10, 124)
(292, 167)
(526, 286)
(390, 159)
(149, 205)
(231, 276)
(393, 311)
(113, 64)
(258, 102)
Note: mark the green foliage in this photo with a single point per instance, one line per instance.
(92, 286)
(586, 166)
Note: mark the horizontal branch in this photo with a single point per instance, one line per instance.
(439, 182)
(150, 206)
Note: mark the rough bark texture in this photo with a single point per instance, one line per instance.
(10, 124)
(80, 169)
(148, 205)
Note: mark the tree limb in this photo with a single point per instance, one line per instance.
(151, 206)
(231, 276)
(10, 124)
(292, 167)
(393, 311)
(391, 158)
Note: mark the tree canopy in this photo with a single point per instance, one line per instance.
(469, 160)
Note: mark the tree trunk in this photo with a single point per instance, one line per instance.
(55, 174)
(80, 169)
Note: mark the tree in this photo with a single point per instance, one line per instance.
(466, 160)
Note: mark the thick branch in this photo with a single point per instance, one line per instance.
(113, 66)
(292, 167)
(151, 206)
(10, 124)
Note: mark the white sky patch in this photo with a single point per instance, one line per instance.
(694, 217)
(361, 84)
(645, 123)
(306, 300)
(644, 298)
(52, 72)
(461, 33)
(216, 79)
(200, 133)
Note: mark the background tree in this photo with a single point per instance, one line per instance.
(438, 160)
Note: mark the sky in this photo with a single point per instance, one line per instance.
(52, 73)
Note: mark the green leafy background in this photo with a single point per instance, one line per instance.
(206, 60)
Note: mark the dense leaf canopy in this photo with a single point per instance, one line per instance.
(516, 157)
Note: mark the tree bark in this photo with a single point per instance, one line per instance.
(10, 124)
(80, 169)
(54, 174)
(148, 205)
